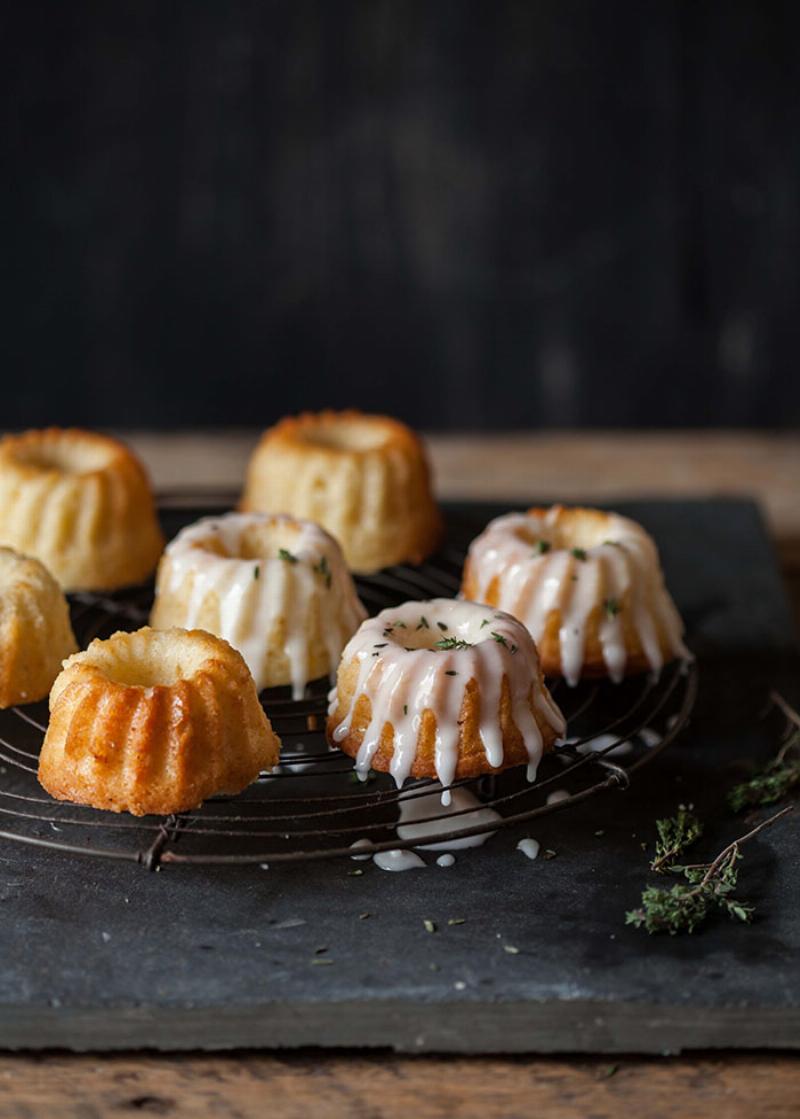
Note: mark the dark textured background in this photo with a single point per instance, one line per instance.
(491, 214)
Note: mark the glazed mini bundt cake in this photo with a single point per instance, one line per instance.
(442, 689)
(363, 478)
(154, 722)
(82, 504)
(275, 587)
(588, 586)
(35, 630)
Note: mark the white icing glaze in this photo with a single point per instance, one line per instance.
(529, 847)
(404, 673)
(600, 744)
(260, 593)
(621, 566)
(397, 860)
(446, 860)
(415, 809)
(557, 796)
(360, 844)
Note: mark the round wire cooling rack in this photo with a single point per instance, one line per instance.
(314, 806)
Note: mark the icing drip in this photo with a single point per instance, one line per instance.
(535, 576)
(446, 860)
(529, 847)
(300, 572)
(420, 657)
(397, 860)
(416, 809)
(557, 796)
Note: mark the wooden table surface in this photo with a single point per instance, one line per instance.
(596, 466)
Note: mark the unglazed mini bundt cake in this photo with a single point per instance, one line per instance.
(442, 689)
(587, 584)
(82, 504)
(154, 722)
(35, 630)
(363, 478)
(275, 587)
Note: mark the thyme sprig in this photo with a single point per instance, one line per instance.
(675, 834)
(709, 888)
(780, 776)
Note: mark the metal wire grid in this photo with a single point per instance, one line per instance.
(309, 809)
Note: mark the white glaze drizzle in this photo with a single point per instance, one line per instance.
(622, 568)
(255, 593)
(415, 808)
(446, 860)
(403, 674)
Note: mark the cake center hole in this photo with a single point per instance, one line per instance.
(555, 537)
(65, 458)
(255, 542)
(348, 436)
(164, 665)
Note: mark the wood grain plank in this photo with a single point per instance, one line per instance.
(568, 466)
(387, 1087)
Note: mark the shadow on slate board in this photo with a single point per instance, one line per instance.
(103, 956)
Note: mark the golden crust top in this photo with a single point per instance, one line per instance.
(348, 432)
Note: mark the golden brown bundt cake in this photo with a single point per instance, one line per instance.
(277, 588)
(588, 586)
(35, 630)
(363, 478)
(442, 689)
(154, 722)
(82, 504)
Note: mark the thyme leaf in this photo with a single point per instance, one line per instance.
(286, 555)
(675, 834)
(579, 553)
(542, 547)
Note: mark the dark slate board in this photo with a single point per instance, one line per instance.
(99, 955)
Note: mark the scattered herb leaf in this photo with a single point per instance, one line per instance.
(323, 568)
(612, 607)
(286, 555)
(578, 553)
(452, 643)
